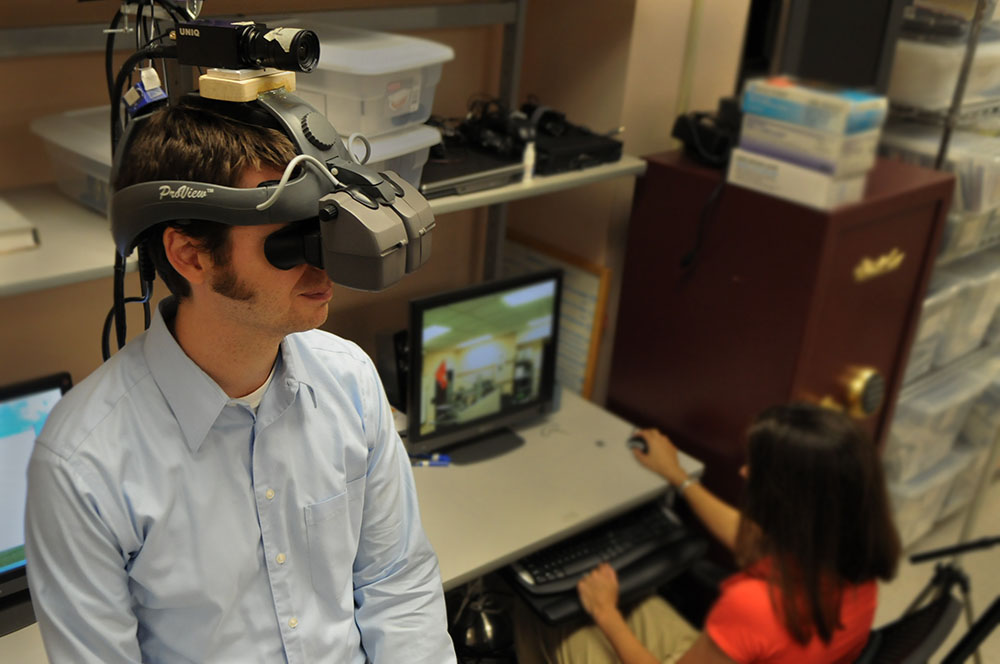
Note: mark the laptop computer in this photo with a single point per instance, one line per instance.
(24, 408)
(465, 169)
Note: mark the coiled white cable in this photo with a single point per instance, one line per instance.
(310, 161)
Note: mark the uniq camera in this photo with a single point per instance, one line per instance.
(246, 45)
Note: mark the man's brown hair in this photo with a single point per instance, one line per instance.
(185, 142)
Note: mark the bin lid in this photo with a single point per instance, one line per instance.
(370, 53)
(388, 146)
(86, 132)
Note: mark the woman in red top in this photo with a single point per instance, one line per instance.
(814, 534)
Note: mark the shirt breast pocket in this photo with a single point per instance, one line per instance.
(333, 527)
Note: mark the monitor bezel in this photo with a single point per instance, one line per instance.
(15, 580)
(421, 444)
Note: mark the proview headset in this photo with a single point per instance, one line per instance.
(366, 229)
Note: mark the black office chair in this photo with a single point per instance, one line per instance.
(913, 638)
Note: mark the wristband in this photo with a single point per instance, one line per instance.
(685, 484)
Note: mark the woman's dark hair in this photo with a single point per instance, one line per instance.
(185, 142)
(817, 511)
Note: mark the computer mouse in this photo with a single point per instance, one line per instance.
(637, 442)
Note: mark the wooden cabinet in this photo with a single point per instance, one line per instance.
(733, 300)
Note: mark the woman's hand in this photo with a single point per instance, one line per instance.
(599, 592)
(662, 456)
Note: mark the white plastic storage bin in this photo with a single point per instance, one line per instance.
(404, 152)
(79, 147)
(917, 503)
(963, 486)
(372, 82)
(983, 422)
(935, 318)
(929, 415)
(924, 73)
(978, 281)
(964, 233)
(973, 158)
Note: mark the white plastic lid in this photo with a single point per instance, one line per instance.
(938, 475)
(398, 143)
(368, 53)
(86, 132)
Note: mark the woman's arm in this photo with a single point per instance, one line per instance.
(720, 518)
(599, 597)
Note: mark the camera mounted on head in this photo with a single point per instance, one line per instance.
(365, 228)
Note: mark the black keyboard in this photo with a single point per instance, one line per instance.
(620, 542)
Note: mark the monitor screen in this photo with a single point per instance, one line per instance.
(23, 410)
(481, 359)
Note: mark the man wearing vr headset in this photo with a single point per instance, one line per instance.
(230, 485)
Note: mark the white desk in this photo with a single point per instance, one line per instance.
(572, 472)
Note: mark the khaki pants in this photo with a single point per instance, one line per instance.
(661, 629)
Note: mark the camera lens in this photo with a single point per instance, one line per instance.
(290, 49)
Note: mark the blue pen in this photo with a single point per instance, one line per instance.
(430, 462)
(432, 457)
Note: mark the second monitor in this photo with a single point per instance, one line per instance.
(481, 359)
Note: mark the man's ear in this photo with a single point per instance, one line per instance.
(186, 256)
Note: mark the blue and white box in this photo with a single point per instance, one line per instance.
(837, 110)
(837, 154)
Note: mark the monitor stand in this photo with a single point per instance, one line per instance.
(487, 446)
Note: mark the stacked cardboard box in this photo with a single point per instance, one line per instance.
(807, 143)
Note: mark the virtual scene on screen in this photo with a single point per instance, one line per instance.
(484, 356)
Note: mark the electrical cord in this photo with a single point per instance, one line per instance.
(688, 260)
(115, 84)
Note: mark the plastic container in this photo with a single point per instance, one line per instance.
(924, 73)
(973, 158)
(404, 152)
(372, 82)
(79, 147)
(983, 421)
(929, 415)
(978, 280)
(934, 320)
(964, 485)
(963, 234)
(917, 503)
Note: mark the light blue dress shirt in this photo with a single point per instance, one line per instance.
(166, 524)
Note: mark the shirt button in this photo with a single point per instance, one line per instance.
(280, 558)
(269, 494)
(293, 623)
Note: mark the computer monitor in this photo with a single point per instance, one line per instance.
(24, 408)
(482, 358)
(848, 43)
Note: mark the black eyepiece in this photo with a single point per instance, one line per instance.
(290, 49)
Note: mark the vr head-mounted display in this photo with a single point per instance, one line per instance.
(366, 229)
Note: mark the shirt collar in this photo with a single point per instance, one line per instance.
(193, 397)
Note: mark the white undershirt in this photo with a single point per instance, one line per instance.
(252, 400)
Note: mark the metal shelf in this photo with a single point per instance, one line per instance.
(539, 185)
(62, 39)
(74, 243)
